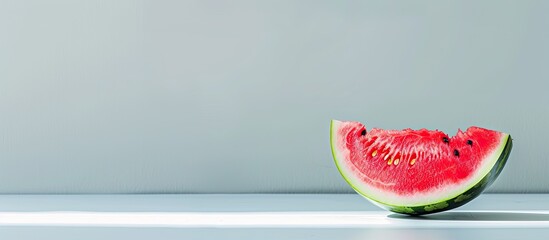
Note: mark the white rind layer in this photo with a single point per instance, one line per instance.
(443, 193)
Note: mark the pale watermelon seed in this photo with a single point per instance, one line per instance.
(413, 162)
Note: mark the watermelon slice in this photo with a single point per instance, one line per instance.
(418, 171)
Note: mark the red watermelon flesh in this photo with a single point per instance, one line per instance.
(416, 168)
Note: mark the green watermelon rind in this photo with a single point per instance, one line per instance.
(458, 200)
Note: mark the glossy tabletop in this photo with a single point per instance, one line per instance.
(263, 216)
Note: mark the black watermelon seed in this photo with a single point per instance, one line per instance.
(446, 140)
(363, 132)
(470, 142)
(456, 152)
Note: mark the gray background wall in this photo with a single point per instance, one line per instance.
(236, 96)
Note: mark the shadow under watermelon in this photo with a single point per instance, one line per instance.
(477, 216)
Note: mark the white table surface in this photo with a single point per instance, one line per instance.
(263, 216)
